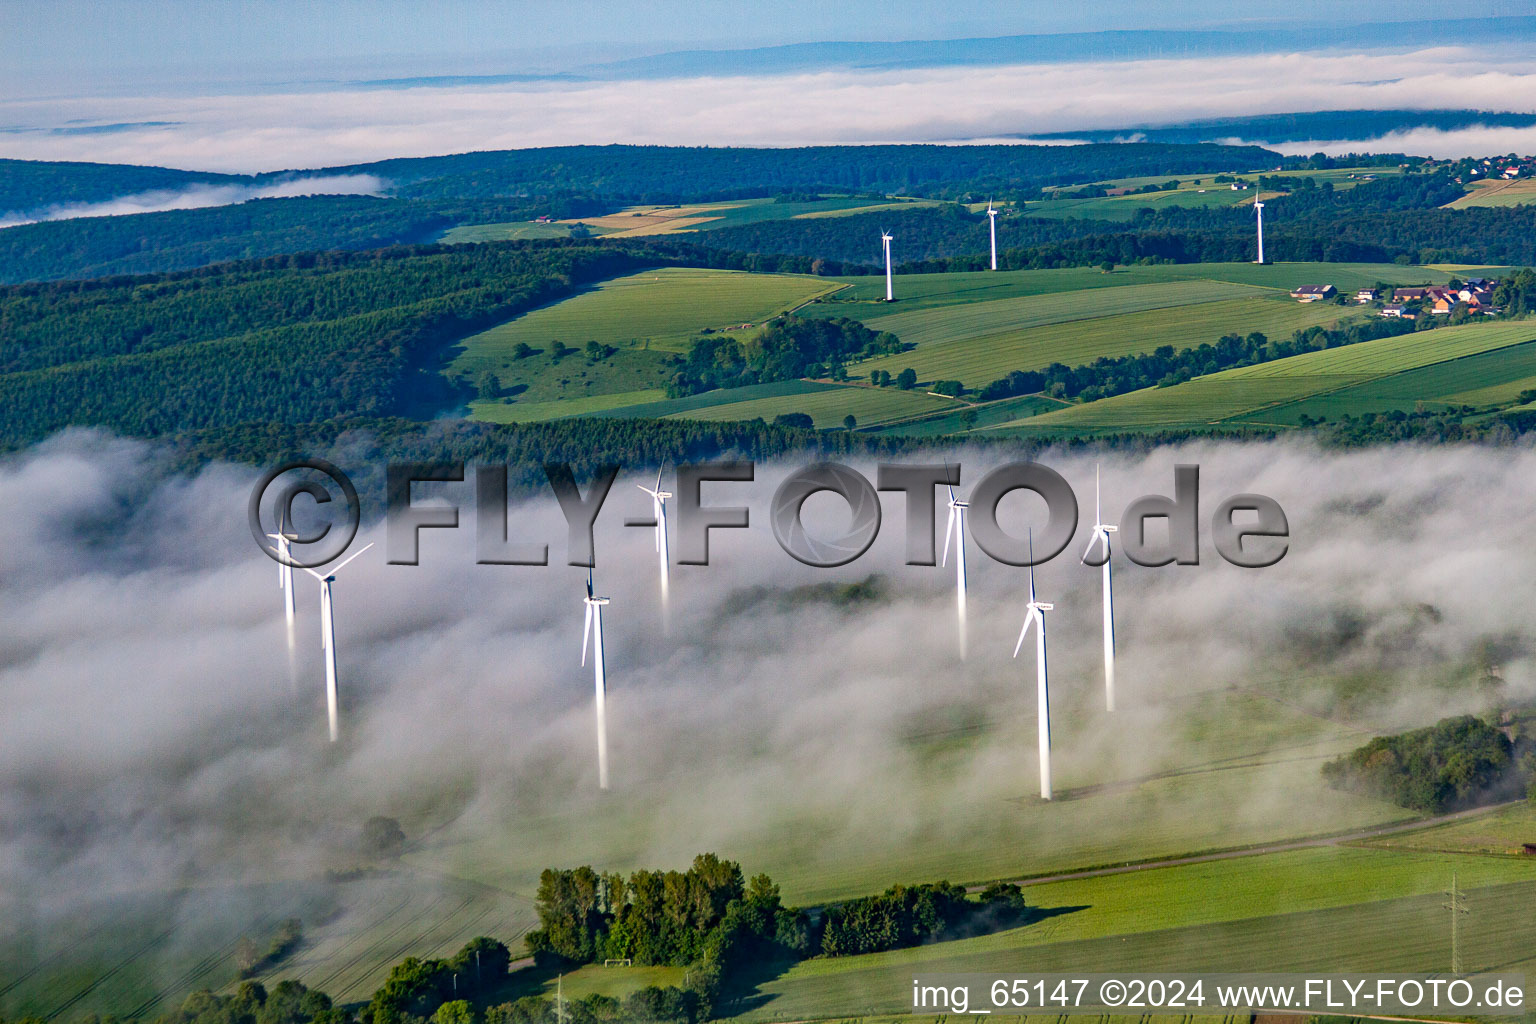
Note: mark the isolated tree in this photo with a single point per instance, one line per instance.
(907, 379)
(383, 836)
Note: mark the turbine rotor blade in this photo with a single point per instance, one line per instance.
(355, 554)
(586, 634)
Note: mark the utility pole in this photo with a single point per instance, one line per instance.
(1457, 906)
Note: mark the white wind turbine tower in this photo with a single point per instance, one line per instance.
(284, 541)
(1035, 615)
(885, 242)
(1101, 532)
(954, 531)
(1258, 210)
(992, 221)
(328, 641)
(593, 629)
(659, 509)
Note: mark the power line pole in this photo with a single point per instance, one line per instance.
(1457, 906)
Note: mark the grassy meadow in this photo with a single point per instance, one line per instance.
(1388, 373)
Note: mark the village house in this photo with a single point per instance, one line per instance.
(1313, 292)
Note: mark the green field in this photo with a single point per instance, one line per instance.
(869, 405)
(139, 954)
(1316, 910)
(991, 318)
(915, 291)
(644, 316)
(975, 361)
(1249, 393)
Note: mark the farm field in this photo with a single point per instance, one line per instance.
(1514, 192)
(869, 405)
(1225, 746)
(659, 309)
(977, 360)
(1487, 378)
(1317, 910)
(916, 291)
(1246, 392)
(989, 318)
(148, 956)
(510, 231)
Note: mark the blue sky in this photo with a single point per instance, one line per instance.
(52, 43)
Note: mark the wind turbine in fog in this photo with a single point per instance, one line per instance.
(992, 222)
(954, 531)
(659, 509)
(328, 641)
(1101, 532)
(593, 629)
(285, 576)
(885, 242)
(1258, 210)
(1035, 614)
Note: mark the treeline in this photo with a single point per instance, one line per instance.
(179, 239)
(1163, 367)
(27, 186)
(672, 174)
(1454, 764)
(711, 921)
(789, 348)
(145, 243)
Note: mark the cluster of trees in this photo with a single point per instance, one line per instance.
(789, 348)
(1164, 367)
(249, 958)
(418, 988)
(1455, 763)
(910, 915)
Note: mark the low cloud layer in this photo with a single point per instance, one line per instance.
(198, 196)
(272, 130)
(154, 736)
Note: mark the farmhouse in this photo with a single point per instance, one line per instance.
(1313, 292)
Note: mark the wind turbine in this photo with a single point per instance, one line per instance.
(1101, 532)
(593, 629)
(659, 509)
(328, 640)
(954, 530)
(1258, 209)
(885, 242)
(992, 222)
(285, 576)
(1035, 613)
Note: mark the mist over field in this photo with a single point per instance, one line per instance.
(153, 736)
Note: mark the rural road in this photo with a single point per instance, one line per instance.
(1254, 851)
